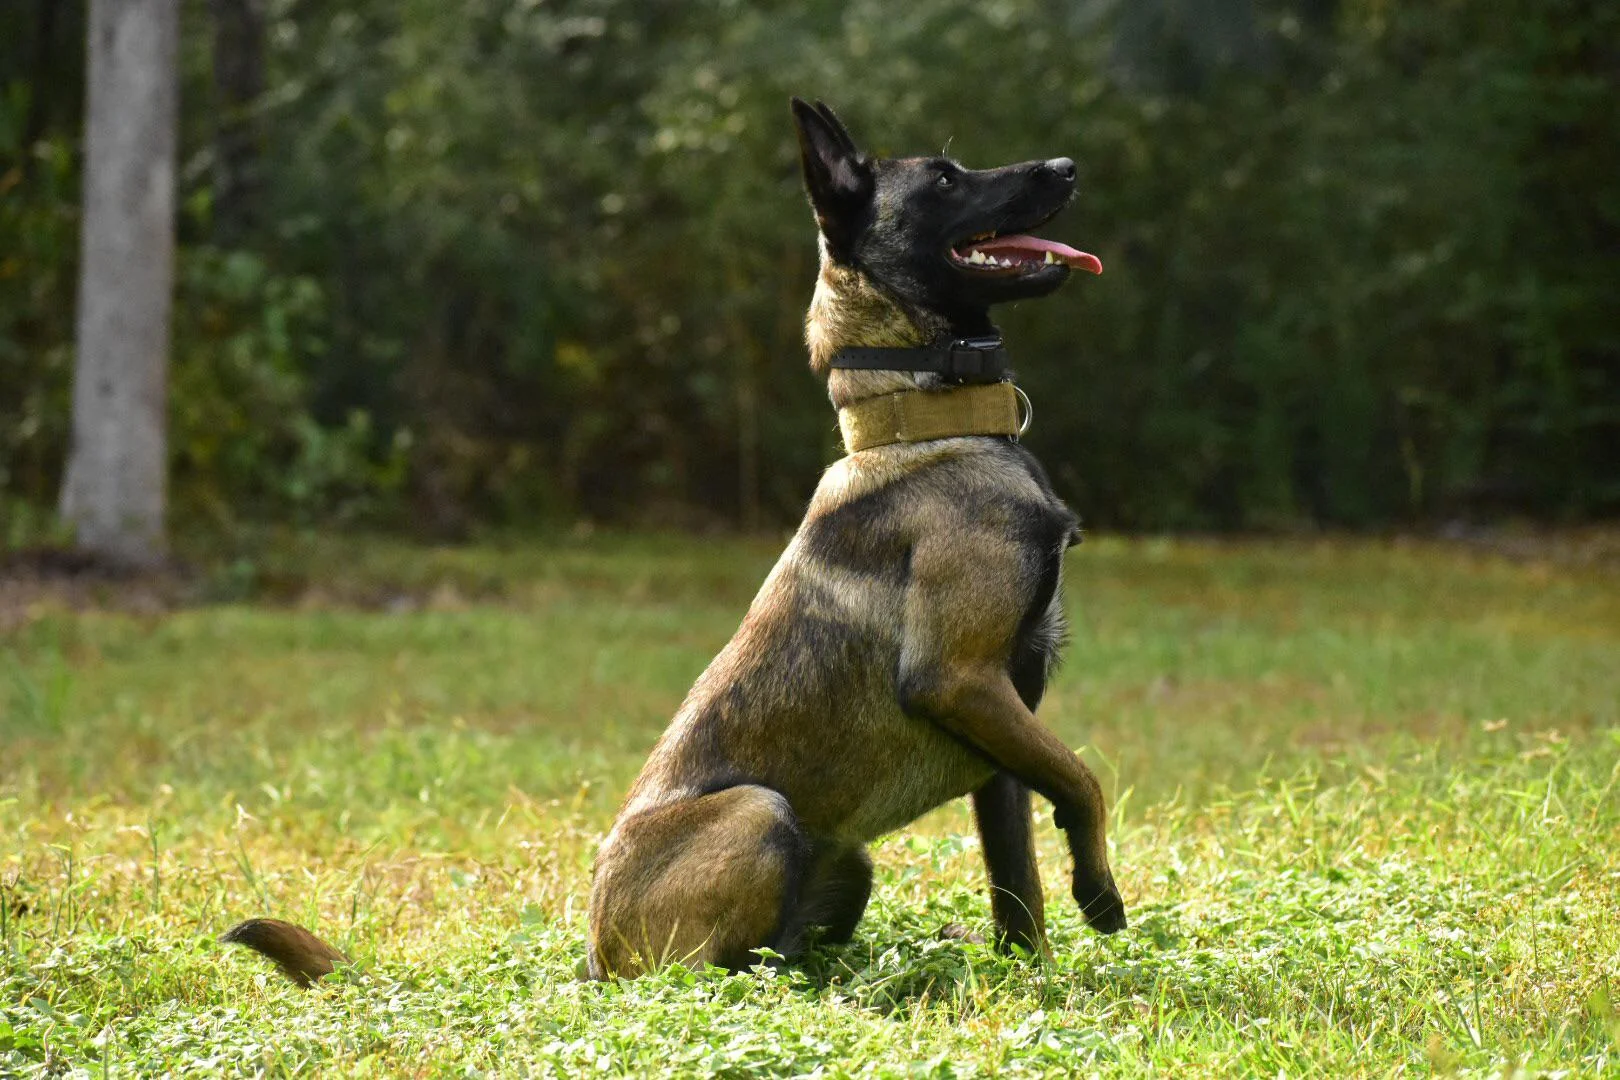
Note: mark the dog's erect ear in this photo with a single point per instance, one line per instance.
(837, 176)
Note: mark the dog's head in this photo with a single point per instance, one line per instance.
(944, 240)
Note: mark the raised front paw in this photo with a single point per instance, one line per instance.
(1100, 903)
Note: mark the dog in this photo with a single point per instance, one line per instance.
(893, 659)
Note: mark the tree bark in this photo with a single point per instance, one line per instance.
(114, 491)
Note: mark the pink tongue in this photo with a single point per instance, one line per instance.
(1036, 248)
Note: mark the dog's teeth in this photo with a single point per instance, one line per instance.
(1049, 259)
(977, 257)
(1006, 262)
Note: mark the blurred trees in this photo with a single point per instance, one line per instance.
(513, 259)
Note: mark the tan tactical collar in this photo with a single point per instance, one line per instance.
(912, 416)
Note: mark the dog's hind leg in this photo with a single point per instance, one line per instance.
(834, 897)
(698, 881)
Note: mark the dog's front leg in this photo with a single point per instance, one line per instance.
(978, 705)
(1001, 809)
(960, 616)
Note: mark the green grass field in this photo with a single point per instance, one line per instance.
(1366, 800)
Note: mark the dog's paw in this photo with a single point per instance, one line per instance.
(1103, 908)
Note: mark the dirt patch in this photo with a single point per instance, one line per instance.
(37, 581)
(34, 581)
(1594, 546)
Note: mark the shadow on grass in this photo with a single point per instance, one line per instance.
(901, 974)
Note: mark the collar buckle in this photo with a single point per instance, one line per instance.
(976, 359)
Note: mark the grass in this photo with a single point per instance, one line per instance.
(1366, 800)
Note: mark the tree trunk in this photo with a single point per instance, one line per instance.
(113, 494)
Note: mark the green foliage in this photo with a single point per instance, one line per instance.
(555, 256)
(244, 439)
(38, 257)
(1364, 802)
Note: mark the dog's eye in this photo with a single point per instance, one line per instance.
(946, 181)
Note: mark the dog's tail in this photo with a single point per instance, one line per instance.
(300, 955)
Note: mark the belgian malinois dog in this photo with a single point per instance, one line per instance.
(894, 657)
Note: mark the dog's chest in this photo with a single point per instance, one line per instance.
(898, 768)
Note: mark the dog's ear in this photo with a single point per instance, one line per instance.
(837, 176)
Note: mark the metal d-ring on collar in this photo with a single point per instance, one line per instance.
(1029, 411)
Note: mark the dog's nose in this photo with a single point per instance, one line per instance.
(1063, 167)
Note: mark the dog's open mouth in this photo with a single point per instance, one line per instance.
(1015, 254)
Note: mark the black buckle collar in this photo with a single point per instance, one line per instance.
(970, 359)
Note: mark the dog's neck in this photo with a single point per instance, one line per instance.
(849, 311)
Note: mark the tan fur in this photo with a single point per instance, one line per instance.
(712, 839)
(849, 310)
